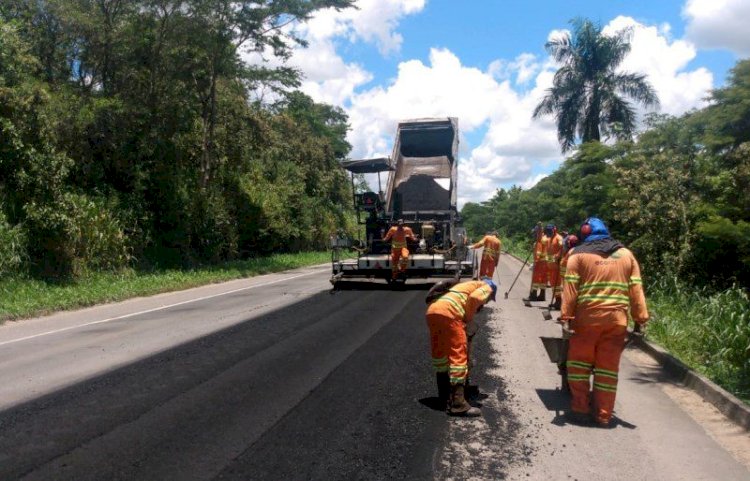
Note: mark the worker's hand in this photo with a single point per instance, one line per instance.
(565, 323)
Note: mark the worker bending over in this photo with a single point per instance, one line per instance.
(398, 234)
(450, 313)
(602, 285)
(490, 254)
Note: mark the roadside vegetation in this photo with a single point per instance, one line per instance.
(710, 331)
(23, 297)
(678, 195)
(135, 136)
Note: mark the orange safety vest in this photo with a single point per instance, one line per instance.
(462, 300)
(491, 246)
(601, 290)
(399, 236)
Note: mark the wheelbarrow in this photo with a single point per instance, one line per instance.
(557, 349)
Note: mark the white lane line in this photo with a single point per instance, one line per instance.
(161, 308)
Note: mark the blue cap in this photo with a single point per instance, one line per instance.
(492, 285)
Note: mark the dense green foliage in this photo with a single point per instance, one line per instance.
(588, 94)
(130, 135)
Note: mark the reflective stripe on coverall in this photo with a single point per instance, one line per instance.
(554, 249)
(447, 318)
(490, 254)
(597, 295)
(399, 252)
(539, 275)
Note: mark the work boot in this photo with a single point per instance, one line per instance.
(458, 405)
(533, 297)
(556, 304)
(579, 419)
(444, 386)
(543, 295)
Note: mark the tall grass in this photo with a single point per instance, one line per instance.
(519, 248)
(22, 297)
(709, 331)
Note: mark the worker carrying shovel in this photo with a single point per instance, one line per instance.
(490, 245)
(602, 285)
(450, 313)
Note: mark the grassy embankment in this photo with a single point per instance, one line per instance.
(24, 297)
(710, 332)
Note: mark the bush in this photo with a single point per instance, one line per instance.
(12, 247)
(75, 234)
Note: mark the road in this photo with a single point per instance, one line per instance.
(275, 377)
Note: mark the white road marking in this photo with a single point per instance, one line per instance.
(161, 308)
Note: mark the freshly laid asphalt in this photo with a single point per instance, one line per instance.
(277, 377)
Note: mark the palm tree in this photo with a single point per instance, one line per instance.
(588, 94)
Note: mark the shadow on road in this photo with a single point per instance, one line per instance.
(365, 285)
(558, 401)
(434, 403)
(180, 393)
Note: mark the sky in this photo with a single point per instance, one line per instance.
(483, 61)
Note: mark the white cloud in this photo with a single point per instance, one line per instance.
(664, 61)
(513, 142)
(495, 104)
(719, 24)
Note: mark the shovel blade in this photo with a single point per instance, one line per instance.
(557, 349)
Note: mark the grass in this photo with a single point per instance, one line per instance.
(24, 297)
(708, 331)
(517, 248)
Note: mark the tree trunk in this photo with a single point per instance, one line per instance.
(209, 124)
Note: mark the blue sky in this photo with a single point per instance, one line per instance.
(483, 61)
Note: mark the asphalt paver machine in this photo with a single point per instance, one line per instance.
(422, 190)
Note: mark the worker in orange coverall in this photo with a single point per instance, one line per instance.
(398, 234)
(450, 314)
(554, 253)
(602, 287)
(539, 274)
(490, 254)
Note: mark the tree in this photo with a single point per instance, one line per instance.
(588, 93)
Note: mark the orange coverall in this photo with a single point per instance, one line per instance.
(447, 318)
(399, 252)
(539, 275)
(490, 254)
(554, 249)
(599, 292)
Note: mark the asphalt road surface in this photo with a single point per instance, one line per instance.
(275, 377)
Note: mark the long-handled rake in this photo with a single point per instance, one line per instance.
(519, 274)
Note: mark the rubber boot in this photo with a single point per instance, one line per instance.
(555, 306)
(444, 386)
(533, 297)
(543, 296)
(458, 405)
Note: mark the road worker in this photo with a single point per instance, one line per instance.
(490, 254)
(398, 234)
(539, 273)
(602, 288)
(450, 314)
(554, 253)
